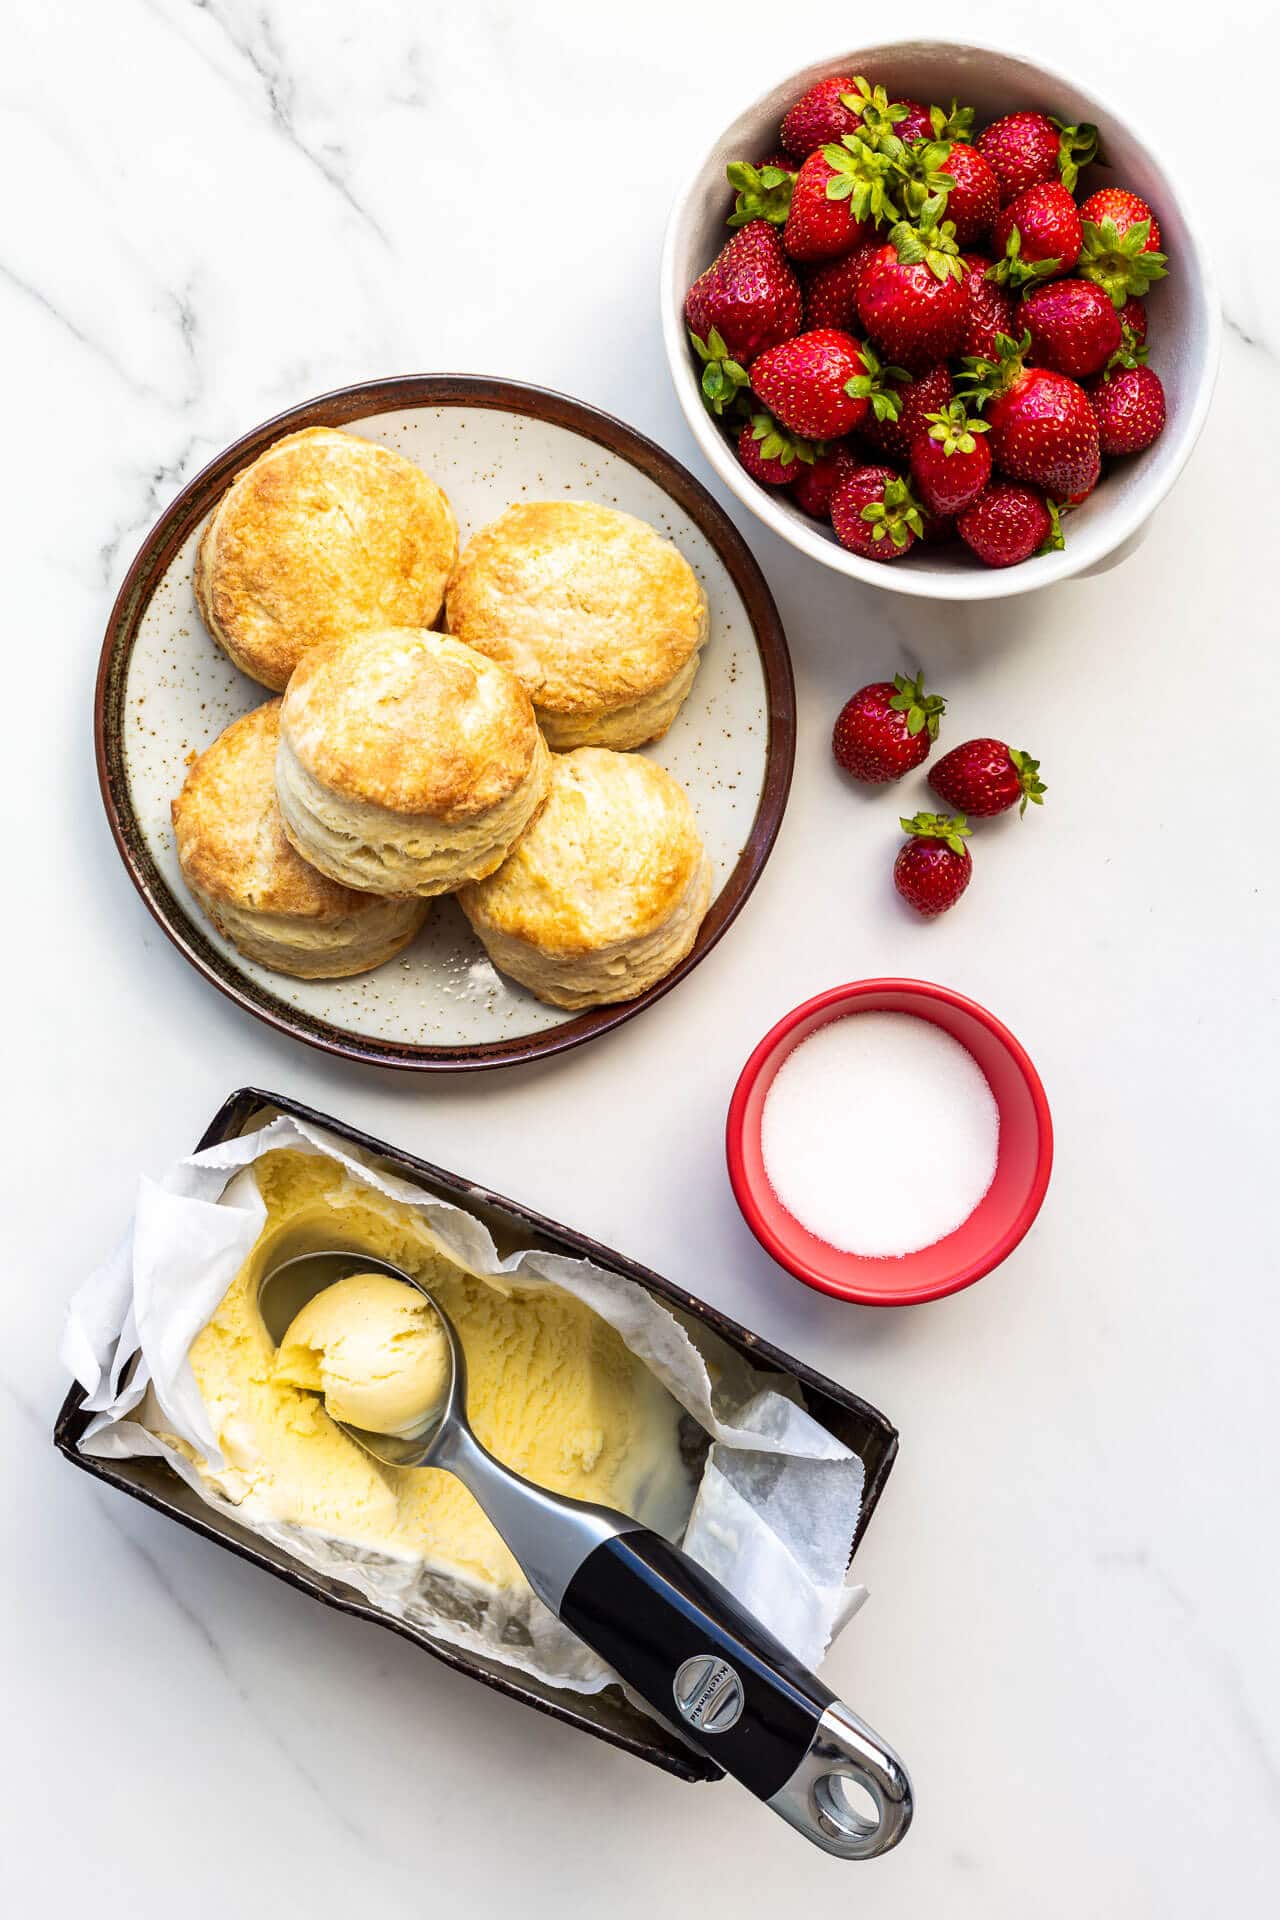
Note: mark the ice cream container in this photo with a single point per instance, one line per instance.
(607, 1714)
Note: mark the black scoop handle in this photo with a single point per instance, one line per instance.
(697, 1657)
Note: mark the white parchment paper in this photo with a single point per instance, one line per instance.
(773, 1516)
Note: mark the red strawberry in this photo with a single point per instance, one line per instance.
(887, 728)
(749, 295)
(820, 225)
(989, 308)
(1037, 234)
(1130, 411)
(938, 532)
(820, 384)
(935, 867)
(1006, 525)
(831, 290)
(1121, 244)
(1125, 211)
(1042, 426)
(985, 777)
(813, 486)
(820, 115)
(893, 436)
(1134, 316)
(1073, 327)
(875, 513)
(950, 460)
(908, 119)
(760, 193)
(911, 297)
(1083, 491)
(974, 200)
(770, 454)
(1025, 148)
(916, 122)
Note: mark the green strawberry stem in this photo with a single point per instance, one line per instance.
(775, 443)
(984, 379)
(1116, 261)
(1028, 772)
(928, 242)
(871, 385)
(860, 175)
(1014, 272)
(723, 379)
(1054, 541)
(872, 105)
(1077, 147)
(764, 193)
(922, 709)
(953, 429)
(1131, 352)
(956, 125)
(894, 518)
(949, 827)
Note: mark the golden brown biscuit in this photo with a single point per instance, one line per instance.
(606, 891)
(254, 887)
(597, 615)
(407, 763)
(323, 535)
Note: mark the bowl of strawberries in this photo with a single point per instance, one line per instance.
(940, 318)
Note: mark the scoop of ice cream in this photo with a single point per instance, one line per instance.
(376, 1351)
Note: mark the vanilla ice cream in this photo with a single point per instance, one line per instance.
(375, 1349)
(553, 1390)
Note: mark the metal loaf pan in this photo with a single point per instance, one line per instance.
(608, 1715)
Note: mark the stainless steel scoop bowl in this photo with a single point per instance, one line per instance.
(673, 1634)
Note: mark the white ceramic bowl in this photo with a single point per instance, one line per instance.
(1186, 323)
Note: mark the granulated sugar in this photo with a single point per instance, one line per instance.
(880, 1133)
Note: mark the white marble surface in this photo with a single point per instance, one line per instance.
(212, 210)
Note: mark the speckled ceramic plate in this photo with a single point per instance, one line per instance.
(165, 691)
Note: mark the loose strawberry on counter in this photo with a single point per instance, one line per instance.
(984, 778)
(883, 255)
(887, 728)
(934, 867)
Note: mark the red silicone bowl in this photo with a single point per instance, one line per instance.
(995, 1226)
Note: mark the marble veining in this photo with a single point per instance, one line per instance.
(214, 210)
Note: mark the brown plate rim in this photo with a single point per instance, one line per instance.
(338, 408)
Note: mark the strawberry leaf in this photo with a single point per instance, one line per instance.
(764, 193)
(1077, 147)
(1116, 261)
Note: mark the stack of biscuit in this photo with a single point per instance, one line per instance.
(489, 761)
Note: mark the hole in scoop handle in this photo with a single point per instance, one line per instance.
(681, 1641)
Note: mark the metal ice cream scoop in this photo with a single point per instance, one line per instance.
(674, 1635)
